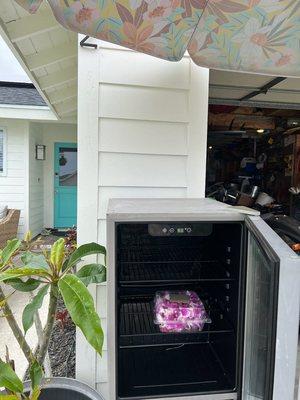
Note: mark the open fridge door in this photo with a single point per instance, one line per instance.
(272, 315)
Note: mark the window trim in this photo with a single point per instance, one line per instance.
(4, 173)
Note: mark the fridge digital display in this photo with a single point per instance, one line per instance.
(180, 229)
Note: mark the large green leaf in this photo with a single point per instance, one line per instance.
(34, 260)
(85, 250)
(23, 286)
(80, 305)
(31, 308)
(57, 254)
(9, 379)
(92, 273)
(9, 397)
(9, 250)
(36, 374)
(19, 272)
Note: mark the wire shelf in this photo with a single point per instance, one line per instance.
(156, 254)
(136, 326)
(132, 274)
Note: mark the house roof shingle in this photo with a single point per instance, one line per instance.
(22, 94)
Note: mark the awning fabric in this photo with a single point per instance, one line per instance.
(258, 36)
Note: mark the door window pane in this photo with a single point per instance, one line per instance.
(67, 166)
(260, 330)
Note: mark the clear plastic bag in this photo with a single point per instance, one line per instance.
(179, 312)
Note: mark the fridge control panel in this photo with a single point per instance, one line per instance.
(180, 229)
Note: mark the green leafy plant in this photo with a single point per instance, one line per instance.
(14, 386)
(52, 273)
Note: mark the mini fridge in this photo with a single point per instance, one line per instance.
(247, 280)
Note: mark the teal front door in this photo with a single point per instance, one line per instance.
(65, 185)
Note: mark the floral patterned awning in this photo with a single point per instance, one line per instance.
(259, 36)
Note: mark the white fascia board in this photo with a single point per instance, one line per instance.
(38, 113)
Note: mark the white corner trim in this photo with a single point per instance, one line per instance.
(87, 223)
(4, 173)
(27, 178)
(197, 130)
(27, 112)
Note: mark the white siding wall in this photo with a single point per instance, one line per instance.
(36, 182)
(142, 131)
(29, 183)
(14, 186)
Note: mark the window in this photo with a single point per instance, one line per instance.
(2, 152)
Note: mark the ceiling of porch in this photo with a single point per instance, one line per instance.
(237, 89)
(46, 51)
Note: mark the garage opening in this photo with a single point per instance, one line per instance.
(253, 150)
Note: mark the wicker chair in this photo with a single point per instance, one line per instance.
(9, 227)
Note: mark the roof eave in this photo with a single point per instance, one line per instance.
(19, 57)
(28, 112)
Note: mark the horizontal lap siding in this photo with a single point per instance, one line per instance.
(134, 136)
(9, 181)
(138, 70)
(13, 186)
(142, 130)
(143, 103)
(143, 127)
(119, 169)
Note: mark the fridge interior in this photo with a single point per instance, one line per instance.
(203, 257)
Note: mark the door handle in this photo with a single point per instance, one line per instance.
(55, 191)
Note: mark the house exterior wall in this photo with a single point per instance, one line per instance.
(142, 128)
(14, 184)
(52, 133)
(28, 184)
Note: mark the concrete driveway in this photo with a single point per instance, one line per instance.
(17, 302)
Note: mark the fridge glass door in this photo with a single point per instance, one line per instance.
(260, 319)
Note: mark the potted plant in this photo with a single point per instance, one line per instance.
(52, 272)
